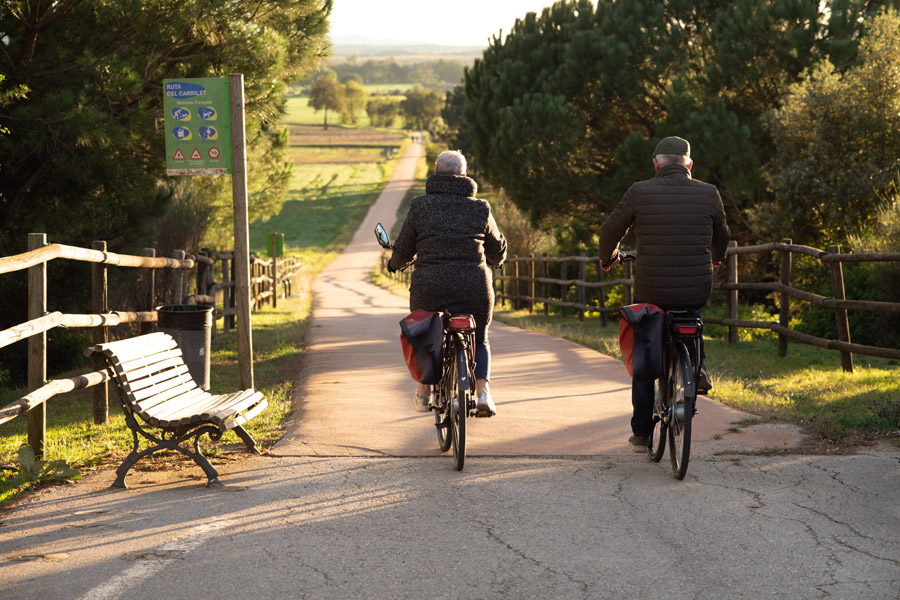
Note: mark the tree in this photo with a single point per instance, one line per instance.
(565, 110)
(383, 111)
(355, 98)
(421, 107)
(837, 141)
(326, 93)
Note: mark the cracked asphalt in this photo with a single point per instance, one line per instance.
(357, 502)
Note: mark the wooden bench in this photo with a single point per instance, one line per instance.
(154, 384)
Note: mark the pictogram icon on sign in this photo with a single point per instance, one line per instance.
(195, 155)
(178, 155)
(214, 152)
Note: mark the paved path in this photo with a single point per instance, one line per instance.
(355, 502)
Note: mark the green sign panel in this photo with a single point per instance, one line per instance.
(198, 126)
(276, 244)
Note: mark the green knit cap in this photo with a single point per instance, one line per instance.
(673, 145)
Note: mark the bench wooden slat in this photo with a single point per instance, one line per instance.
(125, 350)
(243, 418)
(141, 378)
(147, 362)
(235, 407)
(163, 385)
(166, 395)
(146, 386)
(182, 405)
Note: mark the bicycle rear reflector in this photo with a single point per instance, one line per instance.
(687, 329)
(462, 322)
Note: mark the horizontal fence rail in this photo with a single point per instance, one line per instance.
(269, 279)
(578, 283)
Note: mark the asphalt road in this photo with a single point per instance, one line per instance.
(357, 502)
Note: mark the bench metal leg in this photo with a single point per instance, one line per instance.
(174, 442)
(247, 438)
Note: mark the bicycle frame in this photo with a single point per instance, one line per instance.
(455, 393)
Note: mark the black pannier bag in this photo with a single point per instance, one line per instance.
(641, 340)
(422, 341)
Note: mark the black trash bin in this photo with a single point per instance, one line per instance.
(191, 326)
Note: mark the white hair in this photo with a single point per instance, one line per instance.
(665, 159)
(452, 162)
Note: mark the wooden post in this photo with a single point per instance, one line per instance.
(503, 270)
(843, 324)
(99, 306)
(241, 230)
(563, 287)
(601, 292)
(784, 313)
(178, 279)
(629, 288)
(531, 283)
(149, 289)
(517, 303)
(275, 281)
(582, 275)
(732, 294)
(544, 285)
(227, 296)
(37, 346)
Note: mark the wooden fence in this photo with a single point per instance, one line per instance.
(266, 278)
(577, 283)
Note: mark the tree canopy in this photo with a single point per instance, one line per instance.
(564, 111)
(84, 158)
(326, 94)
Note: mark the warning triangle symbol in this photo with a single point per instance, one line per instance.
(196, 154)
(178, 155)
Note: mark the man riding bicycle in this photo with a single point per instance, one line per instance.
(681, 233)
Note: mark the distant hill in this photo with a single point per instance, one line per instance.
(365, 48)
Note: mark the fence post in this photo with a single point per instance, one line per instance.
(733, 293)
(37, 346)
(582, 300)
(629, 287)
(563, 287)
(227, 296)
(531, 284)
(843, 325)
(784, 313)
(149, 289)
(99, 306)
(517, 302)
(601, 292)
(178, 275)
(275, 280)
(544, 285)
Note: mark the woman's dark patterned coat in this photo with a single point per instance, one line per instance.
(453, 239)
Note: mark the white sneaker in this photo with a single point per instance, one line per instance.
(422, 403)
(485, 405)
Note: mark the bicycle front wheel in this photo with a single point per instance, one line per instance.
(459, 405)
(657, 445)
(681, 407)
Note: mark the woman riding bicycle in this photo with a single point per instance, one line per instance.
(453, 239)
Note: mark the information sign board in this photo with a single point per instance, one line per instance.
(198, 126)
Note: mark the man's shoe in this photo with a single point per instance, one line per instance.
(485, 406)
(638, 443)
(422, 403)
(704, 383)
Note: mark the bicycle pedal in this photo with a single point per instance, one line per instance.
(484, 414)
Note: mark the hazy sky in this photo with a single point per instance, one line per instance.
(446, 22)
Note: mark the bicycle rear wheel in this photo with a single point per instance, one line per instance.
(657, 445)
(681, 409)
(459, 405)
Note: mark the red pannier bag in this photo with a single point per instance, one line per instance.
(641, 340)
(422, 341)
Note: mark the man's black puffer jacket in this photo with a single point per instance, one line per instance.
(680, 228)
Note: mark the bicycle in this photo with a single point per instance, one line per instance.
(454, 394)
(675, 392)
